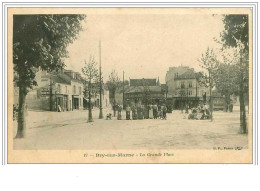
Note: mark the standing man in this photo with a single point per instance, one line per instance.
(134, 113)
(231, 107)
(155, 108)
(128, 110)
(119, 109)
(164, 110)
(114, 109)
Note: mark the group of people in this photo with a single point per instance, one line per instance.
(142, 112)
(201, 112)
(228, 107)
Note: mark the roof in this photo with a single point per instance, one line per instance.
(143, 82)
(163, 87)
(69, 73)
(61, 78)
(187, 75)
(140, 89)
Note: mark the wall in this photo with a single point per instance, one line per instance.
(200, 89)
(169, 79)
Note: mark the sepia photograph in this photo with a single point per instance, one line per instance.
(130, 85)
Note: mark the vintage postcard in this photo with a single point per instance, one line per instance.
(130, 85)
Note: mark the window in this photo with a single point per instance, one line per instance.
(182, 84)
(190, 84)
(66, 89)
(190, 92)
(59, 89)
(74, 89)
(179, 85)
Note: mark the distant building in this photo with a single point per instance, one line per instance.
(144, 91)
(184, 88)
(57, 91)
(170, 77)
(143, 82)
(188, 90)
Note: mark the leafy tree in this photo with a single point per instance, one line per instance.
(39, 41)
(91, 72)
(236, 36)
(226, 78)
(236, 29)
(210, 63)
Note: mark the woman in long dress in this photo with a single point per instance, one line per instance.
(150, 111)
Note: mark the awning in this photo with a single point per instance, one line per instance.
(187, 98)
(86, 99)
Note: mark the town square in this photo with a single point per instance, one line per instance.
(63, 131)
(130, 95)
(78, 86)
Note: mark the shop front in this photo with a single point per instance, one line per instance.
(61, 102)
(75, 102)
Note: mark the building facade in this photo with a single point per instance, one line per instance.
(144, 91)
(188, 91)
(57, 91)
(184, 88)
(170, 77)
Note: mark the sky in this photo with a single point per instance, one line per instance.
(144, 45)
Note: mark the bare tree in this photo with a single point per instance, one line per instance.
(210, 63)
(91, 72)
(113, 83)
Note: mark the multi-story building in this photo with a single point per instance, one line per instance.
(56, 91)
(76, 86)
(188, 90)
(170, 78)
(183, 87)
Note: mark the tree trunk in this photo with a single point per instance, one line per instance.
(243, 128)
(211, 98)
(90, 119)
(51, 104)
(114, 107)
(21, 113)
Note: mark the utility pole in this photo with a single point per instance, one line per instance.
(100, 84)
(123, 89)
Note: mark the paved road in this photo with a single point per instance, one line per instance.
(70, 130)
